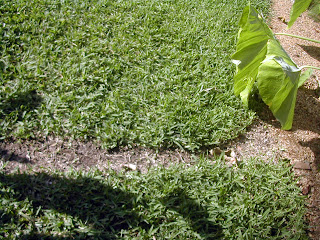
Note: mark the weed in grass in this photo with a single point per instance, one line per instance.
(206, 201)
(152, 73)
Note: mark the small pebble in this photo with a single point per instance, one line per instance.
(301, 165)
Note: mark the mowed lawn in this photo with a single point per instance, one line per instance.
(255, 200)
(153, 73)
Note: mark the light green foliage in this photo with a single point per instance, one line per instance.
(251, 50)
(260, 58)
(278, 82)
(298, 7)
(209, 200)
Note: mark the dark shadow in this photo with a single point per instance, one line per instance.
(20, 102)
(307, 111)
(313, 51)
(262, 110)
(9, 156)
(195, 214)
(314, 145)
(41, 237)
(105, 209)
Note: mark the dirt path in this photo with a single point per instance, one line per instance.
(264, 138)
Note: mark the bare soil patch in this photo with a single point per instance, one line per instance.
(300, 146)
(62, 155)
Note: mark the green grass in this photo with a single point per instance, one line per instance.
(155, 73)
(206, 201)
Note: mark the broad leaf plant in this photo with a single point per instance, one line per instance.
(299, 6)
(261, 61)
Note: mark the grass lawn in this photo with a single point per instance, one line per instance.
(206, 201)
(155, 73)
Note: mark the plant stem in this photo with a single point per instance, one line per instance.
(310, 67)
(295, 36)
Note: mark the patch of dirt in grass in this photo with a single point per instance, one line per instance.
(264, 138)
(59, 154)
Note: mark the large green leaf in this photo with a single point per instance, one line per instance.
(251, 51)
(278, 83)
(260, 58)
(298, 7)
(305, 76)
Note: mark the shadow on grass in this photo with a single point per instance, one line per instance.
(41, 236)
(20, 103)
(196, 215)
(106, 210)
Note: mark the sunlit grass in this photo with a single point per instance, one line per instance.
(155, 73)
